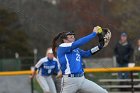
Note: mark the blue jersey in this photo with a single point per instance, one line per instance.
(47, 67)
(70, 56)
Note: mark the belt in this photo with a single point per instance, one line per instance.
(75, 75)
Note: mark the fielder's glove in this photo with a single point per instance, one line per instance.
(107, 36)
(104, 37)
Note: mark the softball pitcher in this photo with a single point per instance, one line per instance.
(46, 67)
(70, 58)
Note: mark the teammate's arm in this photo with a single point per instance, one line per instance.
(57, 70)
(34, 72)
(39, 63)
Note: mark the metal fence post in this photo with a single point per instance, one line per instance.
(132, 82)
(32, 86)
(32, 82)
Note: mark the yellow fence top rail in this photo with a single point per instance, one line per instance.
(11, 73)
(87, 70)
(125, 69)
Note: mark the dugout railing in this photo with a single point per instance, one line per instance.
(87, 70)
(132, 80)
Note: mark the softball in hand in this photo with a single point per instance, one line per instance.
(99, 29)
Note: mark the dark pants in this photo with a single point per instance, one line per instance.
(123, 75)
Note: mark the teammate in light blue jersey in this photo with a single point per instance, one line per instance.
(70, 57)
(46, 66)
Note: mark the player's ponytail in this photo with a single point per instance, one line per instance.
(55, 43)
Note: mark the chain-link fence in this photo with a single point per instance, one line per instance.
(16, 64)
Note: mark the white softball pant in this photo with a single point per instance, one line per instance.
(46, 84)
(73, 84)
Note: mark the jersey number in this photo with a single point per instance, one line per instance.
(77, 57)
(49, 71)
